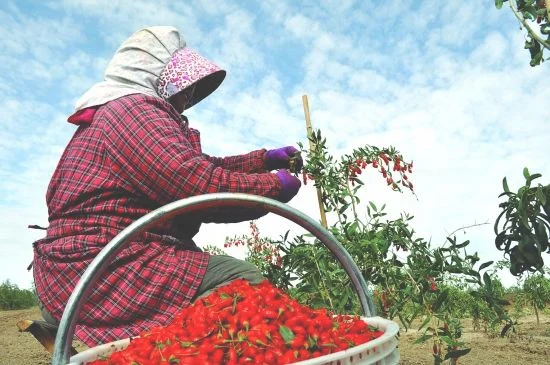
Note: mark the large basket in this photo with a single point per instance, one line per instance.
(381, 351)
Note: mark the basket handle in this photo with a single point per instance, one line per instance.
(100, 263)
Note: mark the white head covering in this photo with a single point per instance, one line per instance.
(136, 66)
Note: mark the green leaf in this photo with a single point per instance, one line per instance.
(449, 341)
(526, 173)
(403, 320)
(440, 299)
(487, 280)
(540, 195)
(485, 265)
(344, 300)
(505, 185)
(373, 206)
(287, 334)
(343, 208)
(540, 232)
(536, 57)
(534, 176)
(463, 244)
(457, 353)
(425, 322)
(498, 3)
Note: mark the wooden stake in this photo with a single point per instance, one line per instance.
(309, 131)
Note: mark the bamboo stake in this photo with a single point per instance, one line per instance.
(309, 130)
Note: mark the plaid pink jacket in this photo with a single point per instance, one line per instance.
(135, 156)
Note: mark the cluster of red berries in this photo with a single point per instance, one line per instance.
(382, 162)
(245, 324)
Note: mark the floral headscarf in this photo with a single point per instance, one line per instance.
(156, 62)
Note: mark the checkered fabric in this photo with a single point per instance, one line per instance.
(136, 155)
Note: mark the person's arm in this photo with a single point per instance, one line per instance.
(261, 160)
(150, 152)
(252, 162)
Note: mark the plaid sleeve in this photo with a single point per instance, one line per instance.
(250, 162)
(152, 154)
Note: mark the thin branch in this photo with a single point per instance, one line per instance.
(352, 196)
(326, 292)
(531, 32)
(464, 228)
(414, 281)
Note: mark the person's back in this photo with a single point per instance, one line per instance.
(90, 200)
(132, 153)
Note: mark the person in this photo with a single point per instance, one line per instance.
(133, 152)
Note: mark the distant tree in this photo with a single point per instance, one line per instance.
(532, 14)
(536, 291)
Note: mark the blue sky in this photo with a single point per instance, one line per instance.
(447, 83)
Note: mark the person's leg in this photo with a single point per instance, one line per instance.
(46, 315)
(224, 269)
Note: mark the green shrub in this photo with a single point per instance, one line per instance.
(11, 297)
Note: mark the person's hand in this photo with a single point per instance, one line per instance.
(290, 185)
(280, 158)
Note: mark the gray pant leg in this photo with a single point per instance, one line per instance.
(46, 315)
(223, 269)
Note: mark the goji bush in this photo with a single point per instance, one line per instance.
(264, 254)
(409, 275)
(535, 293)
(245, 324)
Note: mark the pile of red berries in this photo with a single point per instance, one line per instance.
(245, 324)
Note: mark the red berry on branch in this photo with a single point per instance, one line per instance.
(384, 157)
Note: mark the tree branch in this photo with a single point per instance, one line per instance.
(464, 228)
(523, 22)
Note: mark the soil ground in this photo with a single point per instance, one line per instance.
(531, 344)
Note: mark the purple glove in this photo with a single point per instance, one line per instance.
(279, 158)
(290, 185)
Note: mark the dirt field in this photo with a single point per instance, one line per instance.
(530, 346)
